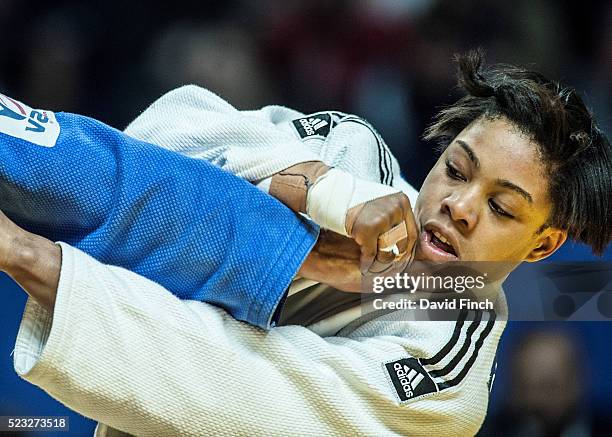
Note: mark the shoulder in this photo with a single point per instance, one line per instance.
(445, 367)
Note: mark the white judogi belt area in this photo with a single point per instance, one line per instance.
(124, 351)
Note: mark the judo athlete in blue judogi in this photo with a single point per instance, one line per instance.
(195, 229)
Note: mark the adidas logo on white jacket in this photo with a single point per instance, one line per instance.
(408, 378)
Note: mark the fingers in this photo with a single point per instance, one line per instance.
(382, 237)
(345, 263)
(389, 218)
(370, 224)
(394, 241)
(412, 231)
(401, 239)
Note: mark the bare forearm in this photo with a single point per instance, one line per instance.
(291, 185)
(35, 263)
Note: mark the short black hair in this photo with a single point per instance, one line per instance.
(575, 152)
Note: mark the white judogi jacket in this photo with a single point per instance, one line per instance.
(124, 351)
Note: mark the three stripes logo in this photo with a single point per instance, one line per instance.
(410, 379)
(385, 163)
(312, 125)
(320, 124)
(413, 378)
(315, 125)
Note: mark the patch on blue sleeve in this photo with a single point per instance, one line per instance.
(36, 126)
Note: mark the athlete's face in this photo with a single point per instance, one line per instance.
(487, 197)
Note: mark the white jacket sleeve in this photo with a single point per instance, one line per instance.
(196, 122)
(257, 144)
(122, 350)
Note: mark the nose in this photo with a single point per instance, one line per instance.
(460, 206)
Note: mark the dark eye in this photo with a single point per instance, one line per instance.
(499, 211)
(453, 173)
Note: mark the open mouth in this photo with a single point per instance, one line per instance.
(438, 243)
(441, 242)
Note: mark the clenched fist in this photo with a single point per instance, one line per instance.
(386, 232)
(377, 217)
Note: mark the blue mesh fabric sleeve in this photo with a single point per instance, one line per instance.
(199, 231)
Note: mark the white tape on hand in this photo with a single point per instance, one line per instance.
(337, 191)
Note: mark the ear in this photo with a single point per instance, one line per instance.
(547, 243)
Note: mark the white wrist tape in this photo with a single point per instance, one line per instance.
(334, 193)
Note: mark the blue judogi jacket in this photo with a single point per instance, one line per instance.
(199, 231)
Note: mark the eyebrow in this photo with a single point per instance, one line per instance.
(470, 152)
(501, 182)
(507, 184)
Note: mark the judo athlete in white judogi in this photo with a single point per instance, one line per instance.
(121, 349)
(185, 367)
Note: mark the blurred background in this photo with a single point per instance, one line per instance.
(388, 61)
